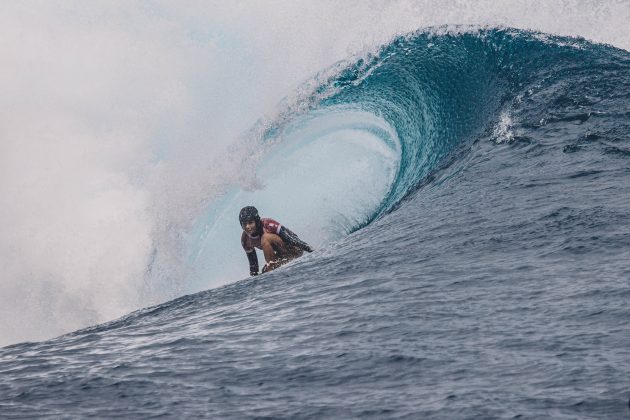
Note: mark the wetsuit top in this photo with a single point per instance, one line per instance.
(251, 242)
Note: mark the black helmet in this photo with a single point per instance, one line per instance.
(247, 214)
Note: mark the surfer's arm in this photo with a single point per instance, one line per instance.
(291, 238)
(253, 263)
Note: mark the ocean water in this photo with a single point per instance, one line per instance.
(468, 193)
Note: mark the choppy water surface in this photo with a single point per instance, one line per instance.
(491, 281)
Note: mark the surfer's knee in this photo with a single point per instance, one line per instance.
(270, 239)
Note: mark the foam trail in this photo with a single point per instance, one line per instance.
(117, 119)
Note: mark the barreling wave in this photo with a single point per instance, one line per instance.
(353, 142)
(436, 90)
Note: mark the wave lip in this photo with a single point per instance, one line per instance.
(440, 89)
(435, 89)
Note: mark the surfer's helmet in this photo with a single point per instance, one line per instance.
(248, 214)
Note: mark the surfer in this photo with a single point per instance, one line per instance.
(279, 244)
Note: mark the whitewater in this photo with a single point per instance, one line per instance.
(461, 169)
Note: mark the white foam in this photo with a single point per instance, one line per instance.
(503, 131)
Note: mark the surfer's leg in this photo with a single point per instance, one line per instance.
(277, 252)
(271, 244)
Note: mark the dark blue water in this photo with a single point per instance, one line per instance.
(492, 282)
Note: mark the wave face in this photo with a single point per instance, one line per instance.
(484, 273)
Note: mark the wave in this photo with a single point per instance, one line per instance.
(475, 180)
(346, 148)
(360, 137)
